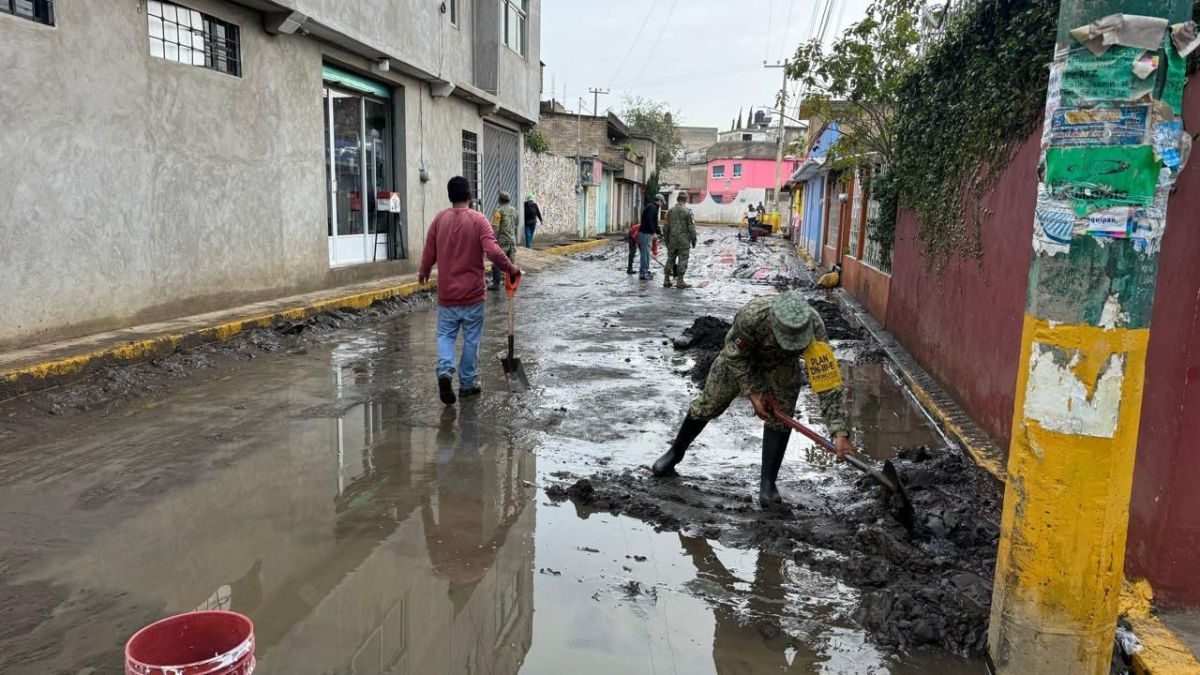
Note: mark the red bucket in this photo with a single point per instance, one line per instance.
(196, 643)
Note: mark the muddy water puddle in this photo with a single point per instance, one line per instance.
(329, 496)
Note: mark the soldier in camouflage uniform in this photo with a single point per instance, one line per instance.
(504, 226)
(680, 234)
(761, 358)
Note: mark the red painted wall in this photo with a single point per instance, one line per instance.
(1164, 527)
(963, 325)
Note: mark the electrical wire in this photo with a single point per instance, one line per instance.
(628, 52)
(787, 26)
(770, 20)
(667, 79)
(654, 46)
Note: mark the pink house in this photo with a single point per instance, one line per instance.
(734, 166)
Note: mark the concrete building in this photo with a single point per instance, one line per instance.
(613, 166)
(694, 141)
(213, 153)
(734, 166)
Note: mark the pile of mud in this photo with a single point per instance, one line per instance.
(122, 383)
(929, 587)
(706, 336)
(835, 323)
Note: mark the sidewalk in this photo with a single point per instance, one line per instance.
(48, 365)
(1170, 640)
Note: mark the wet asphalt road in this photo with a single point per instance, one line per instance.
(365, 528)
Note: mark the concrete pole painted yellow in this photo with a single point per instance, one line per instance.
(1109, 158)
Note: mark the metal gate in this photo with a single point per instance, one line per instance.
(501, 167)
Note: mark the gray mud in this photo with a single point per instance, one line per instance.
(931, 587)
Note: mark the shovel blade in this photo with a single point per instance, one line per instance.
(904, 508)
(514, 374)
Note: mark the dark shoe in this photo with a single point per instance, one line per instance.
(682, 284)
(470, 391)
(666, 282)
(446, 389)
(629, 271)
(688, 431)
(774, 444)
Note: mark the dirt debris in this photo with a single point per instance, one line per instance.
(928, 588)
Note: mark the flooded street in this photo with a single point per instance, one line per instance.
(326, 493)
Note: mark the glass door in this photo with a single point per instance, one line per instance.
(358, 161)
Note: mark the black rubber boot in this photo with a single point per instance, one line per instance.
(446, 390)
(774, 444)
(688, 431)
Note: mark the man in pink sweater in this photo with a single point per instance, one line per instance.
(458, 240)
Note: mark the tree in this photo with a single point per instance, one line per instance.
(646, 117)
(856, 82)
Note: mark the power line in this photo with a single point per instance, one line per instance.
(633, 46)
(770, 21)
(658, 39)
(787, 26)
(729, 69)
(596, 93)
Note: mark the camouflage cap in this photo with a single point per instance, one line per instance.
(505, 197)
(792, 321)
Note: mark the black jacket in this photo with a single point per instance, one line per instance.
(532, 214)
(650, 220)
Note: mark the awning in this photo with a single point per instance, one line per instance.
(809, 169)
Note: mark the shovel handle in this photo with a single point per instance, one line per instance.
(852, 458)
(510, 284)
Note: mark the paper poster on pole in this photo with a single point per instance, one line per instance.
(1121, 125)
(1089, 79)
(1098, 177)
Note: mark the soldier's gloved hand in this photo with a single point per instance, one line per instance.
(842, 446)
(759, 403)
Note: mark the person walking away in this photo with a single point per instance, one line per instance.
(751, 221)
(647, 231)
(632, 240)
(504, 225)
(761, 358)
(458, 240)
(533, 215)
(681, 239)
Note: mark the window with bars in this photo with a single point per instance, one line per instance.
(186, 36)
(513, 24)
(453, 6)
(41, 11)
(470, 155)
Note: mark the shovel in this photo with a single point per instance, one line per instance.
(514, 370)
(888, 477)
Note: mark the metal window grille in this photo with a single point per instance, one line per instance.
(453, 12)
(186, 36)
(470, 156)
(41, 11)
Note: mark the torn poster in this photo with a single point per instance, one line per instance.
(1054, 226)
(1108, 77)
(1147, 229)
(1123, 125)
(1128, 30)
(1183, 36)
(1172, 88)
(1112, 223)
(1145, 65)
(1166, 143)
(1098, 177)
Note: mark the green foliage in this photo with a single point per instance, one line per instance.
(652, 186)
(978, 91)
(882, 230)
(535, 141)
(646, 117)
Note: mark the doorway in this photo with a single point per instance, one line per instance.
(359, 166)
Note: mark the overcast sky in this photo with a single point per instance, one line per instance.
(703, 57)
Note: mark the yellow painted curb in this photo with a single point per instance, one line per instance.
(21, 378)
(1162, 653)
(576, 247)
(980, 454)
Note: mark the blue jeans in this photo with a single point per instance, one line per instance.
(645, 241)
(529, 235)
(449, 321)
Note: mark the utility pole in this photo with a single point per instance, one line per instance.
(596, 93)
(779, 145)
(1097, 236)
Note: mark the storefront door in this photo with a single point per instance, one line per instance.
(358, 164)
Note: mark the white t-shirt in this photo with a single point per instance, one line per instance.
(751, 213)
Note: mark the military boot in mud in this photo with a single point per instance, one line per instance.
(682, 284)
(774, 444)
(688, 431)
(666, 280)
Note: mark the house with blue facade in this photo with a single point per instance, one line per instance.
(808, 182)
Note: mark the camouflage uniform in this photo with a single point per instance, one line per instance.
(752, 362)
(680, 234)
(504, 226)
